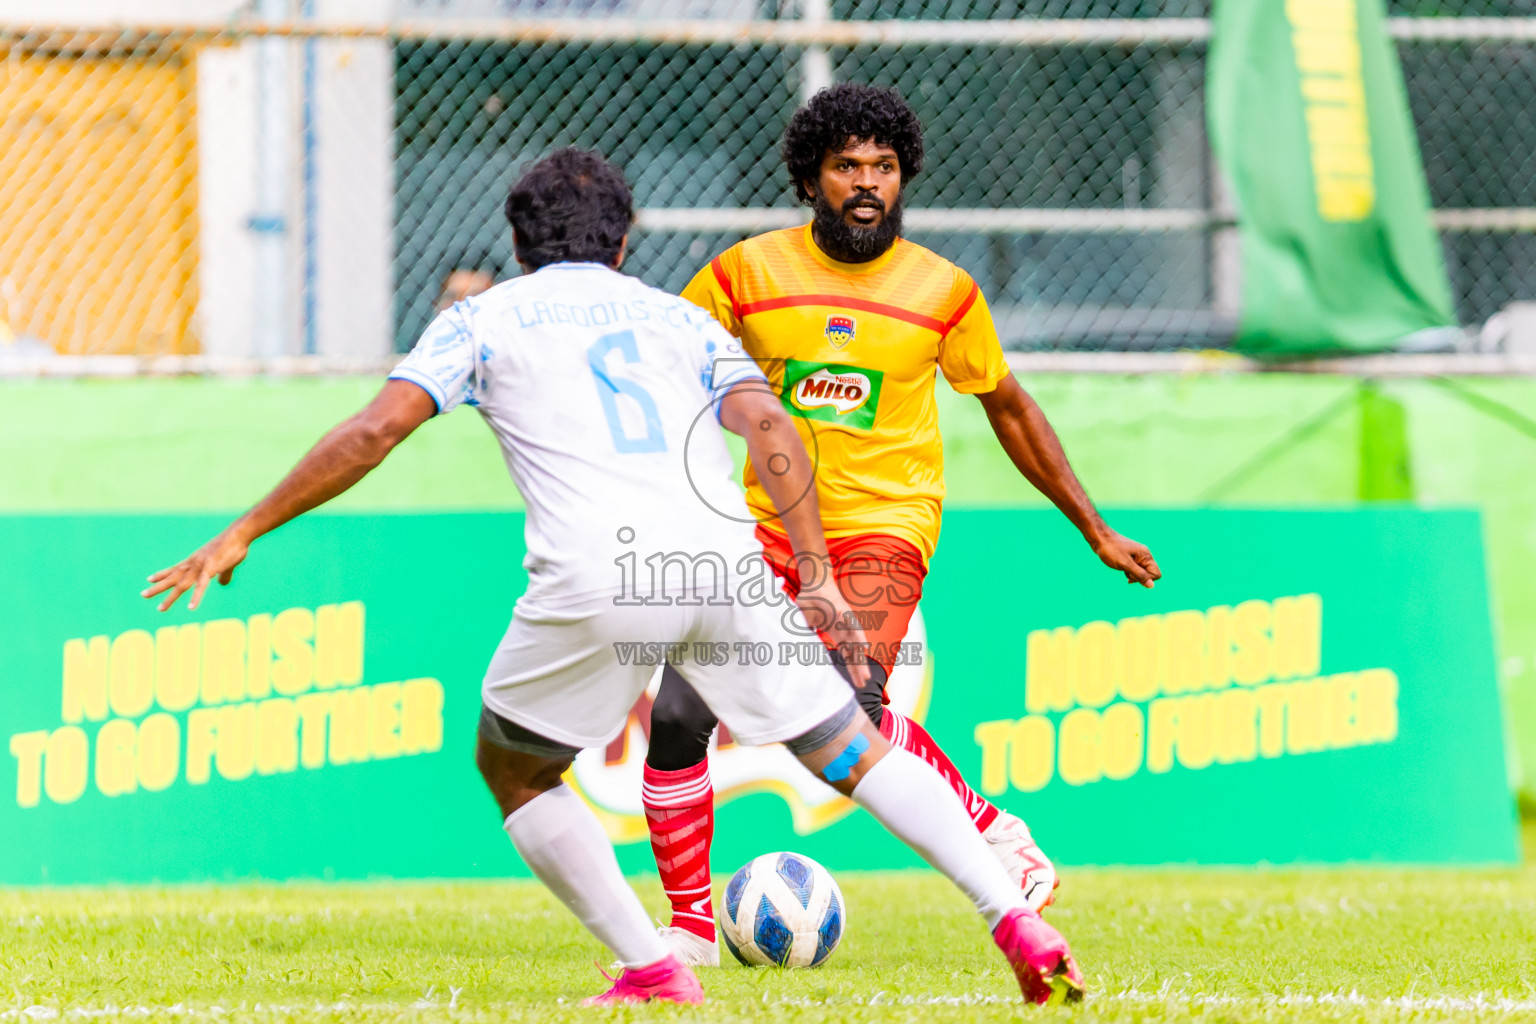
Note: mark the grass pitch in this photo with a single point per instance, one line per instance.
(1157, 945)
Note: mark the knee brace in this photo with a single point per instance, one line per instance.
(871, 696)
(681, 725)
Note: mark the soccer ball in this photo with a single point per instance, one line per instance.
(782, 909)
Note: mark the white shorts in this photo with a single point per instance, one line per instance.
(572, 675)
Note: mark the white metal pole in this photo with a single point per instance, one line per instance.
(816, 62)
(270, 333)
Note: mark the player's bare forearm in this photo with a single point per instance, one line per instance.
(338, 461)
(1028, 438)
(1026, 435)
(783, 466)
(779, 458)
(349, 452)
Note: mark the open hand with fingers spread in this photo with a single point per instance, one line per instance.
(216, 559)
(1128, 557)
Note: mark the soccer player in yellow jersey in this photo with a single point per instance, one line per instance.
(852, 323)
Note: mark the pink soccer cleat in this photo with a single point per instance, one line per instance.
(1040, 958)
(665, 981)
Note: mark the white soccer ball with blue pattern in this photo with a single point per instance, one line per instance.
(782, 910)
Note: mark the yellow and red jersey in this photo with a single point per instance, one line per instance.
(853, 348)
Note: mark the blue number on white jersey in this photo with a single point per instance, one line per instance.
(610, 387)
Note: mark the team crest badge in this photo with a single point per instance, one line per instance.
(841, 329)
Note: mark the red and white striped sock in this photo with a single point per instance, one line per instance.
(680, 810)
(907, 734)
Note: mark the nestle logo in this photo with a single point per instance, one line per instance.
(843, 391)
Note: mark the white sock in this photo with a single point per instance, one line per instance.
(560, 838)
(917, 806)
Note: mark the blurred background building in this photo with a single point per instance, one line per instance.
(181, 180)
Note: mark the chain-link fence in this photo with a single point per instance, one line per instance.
(309, 189)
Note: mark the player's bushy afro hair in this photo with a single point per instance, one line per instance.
(572, 206)
(845, 111)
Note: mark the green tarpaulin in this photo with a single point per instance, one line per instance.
(1310, 125)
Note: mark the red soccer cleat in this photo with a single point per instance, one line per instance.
(665, 981)
(1039, 957)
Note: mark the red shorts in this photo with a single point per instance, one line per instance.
(880, 575)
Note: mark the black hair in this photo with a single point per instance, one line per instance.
(846, 111)
(571, 206)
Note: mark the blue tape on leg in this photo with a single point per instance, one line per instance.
(843, 763)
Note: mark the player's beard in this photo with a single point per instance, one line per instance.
(853, 243)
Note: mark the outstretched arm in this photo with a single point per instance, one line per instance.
(782, 464)
(340, 459)
(1027, 437)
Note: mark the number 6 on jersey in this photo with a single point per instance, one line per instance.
(609, 387)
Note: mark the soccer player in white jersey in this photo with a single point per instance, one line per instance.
(594, 384)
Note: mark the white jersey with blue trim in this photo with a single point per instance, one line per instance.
(603, 393)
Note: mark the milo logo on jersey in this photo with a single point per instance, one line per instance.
(833, 392)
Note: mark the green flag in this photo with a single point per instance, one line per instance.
(1310, 122)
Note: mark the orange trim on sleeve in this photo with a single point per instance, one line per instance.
(965, 307)
(725, 284)
(846, 301)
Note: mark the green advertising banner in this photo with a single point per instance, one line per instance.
(1310, 123)
(1302, 687)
